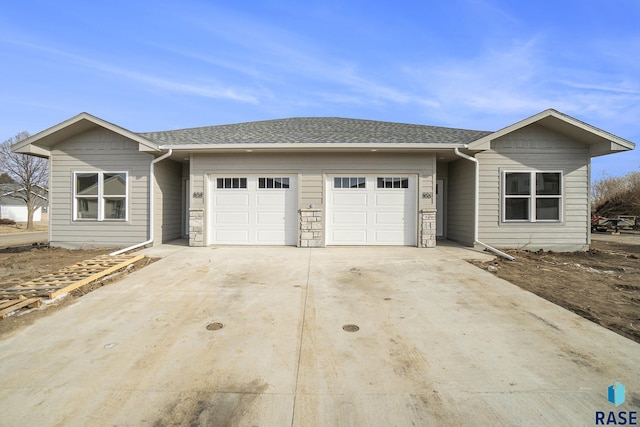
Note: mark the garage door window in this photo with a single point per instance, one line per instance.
(349, 182)
(266, 183)
(223, 183)
(393, 182)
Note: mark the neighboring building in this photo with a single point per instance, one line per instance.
(13, 207)
(316, 182)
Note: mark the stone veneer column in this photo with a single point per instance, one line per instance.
(196, 227)
(310, 228)
(427, 228)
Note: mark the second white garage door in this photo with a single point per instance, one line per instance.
(253, 210)
(371, 210)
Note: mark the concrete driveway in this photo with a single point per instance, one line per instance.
(440, 342)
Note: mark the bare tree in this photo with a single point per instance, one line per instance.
(619, 195)
(28, 172)
(606, 188)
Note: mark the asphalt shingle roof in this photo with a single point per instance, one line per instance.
(315, 130)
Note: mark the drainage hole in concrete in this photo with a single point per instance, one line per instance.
(351, 328)
(214, 326)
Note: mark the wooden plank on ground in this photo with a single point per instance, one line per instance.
(70, 278)
(123, 262)
(33, 288)
(19, 304)
(10, 302)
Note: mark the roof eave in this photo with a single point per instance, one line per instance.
(314, 146)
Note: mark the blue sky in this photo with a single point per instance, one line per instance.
(475, 64)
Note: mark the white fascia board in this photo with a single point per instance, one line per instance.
(318, 147)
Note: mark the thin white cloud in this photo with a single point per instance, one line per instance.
(285, 57)
(203, 89)
(514, 82)
(237, 66)
(622, 88)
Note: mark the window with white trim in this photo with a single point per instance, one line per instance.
(532, 196)
(100, 196)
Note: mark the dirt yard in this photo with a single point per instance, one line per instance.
(26, 262)
(602, 285)
(20, 264)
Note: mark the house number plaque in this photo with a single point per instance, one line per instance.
(198, 195)
(427, 195)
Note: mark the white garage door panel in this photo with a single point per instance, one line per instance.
(232, 218)
(346, 237)
(231, 236)
(227, 200)
(371, 215)
(393, 219)
(274, 198)
(270, 235)
(252, 215)
(350, 198)
(349, 218)
(390, 237)
(275, 219)
(394, 198)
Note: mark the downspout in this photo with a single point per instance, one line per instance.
(152, 184)
(475, 206)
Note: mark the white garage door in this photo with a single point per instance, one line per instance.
(253, 210)
(371, 210)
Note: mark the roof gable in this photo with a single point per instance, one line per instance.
(41, 143)
(600, 142)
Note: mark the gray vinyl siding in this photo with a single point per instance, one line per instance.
(311, 170)
(309, 190)
(535, 148)
(460, 198)
(167, 201)
(97, 150)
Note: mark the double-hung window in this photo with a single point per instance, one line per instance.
(532, 196)
(100, 196)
